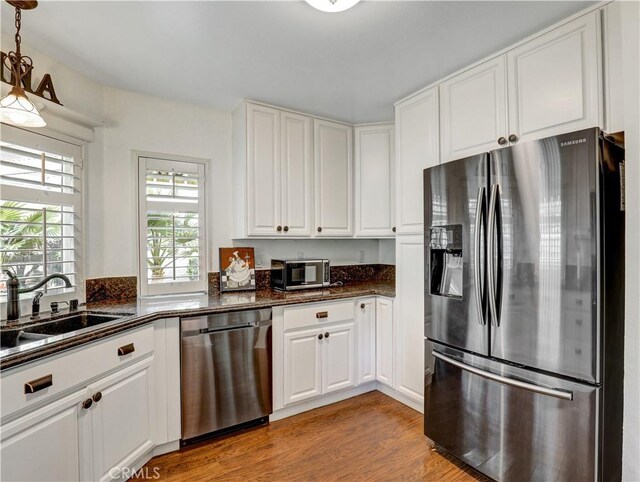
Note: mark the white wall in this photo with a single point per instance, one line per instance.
(630, 29)
(145, 123)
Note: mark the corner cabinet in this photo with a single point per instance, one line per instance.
(417, 147)
(375, 180)
(544, 87)
(333, 147)
(272, 161)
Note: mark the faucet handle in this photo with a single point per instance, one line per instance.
(36, 297)
(10, 274)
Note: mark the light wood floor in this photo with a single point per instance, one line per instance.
(370, 437)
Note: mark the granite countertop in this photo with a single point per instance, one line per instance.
(138, 312)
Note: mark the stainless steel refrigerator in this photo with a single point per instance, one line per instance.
(524, 308)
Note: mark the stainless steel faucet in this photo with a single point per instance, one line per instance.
(14, 291)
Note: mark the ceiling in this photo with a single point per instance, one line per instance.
(350, 66)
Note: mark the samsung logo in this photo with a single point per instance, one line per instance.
(573, 142)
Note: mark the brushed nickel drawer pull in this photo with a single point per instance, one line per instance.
(38, 384)
(126, 349)
(322, 314)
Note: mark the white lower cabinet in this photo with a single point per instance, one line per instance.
(384, 341)
(319, 350)
(338, 358)
(302, 364)
(409, 333)
(366, 327)
(93, 428)
(46, 444)
(118, 440)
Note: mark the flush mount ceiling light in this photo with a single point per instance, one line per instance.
(16, 108)
(332, 6)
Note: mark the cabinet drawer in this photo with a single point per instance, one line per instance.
(318, 313)
(52, 376)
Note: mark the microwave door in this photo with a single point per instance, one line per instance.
(455, 217)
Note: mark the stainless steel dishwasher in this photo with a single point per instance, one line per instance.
(226, 371)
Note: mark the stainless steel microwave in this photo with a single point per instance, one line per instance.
(298, 274)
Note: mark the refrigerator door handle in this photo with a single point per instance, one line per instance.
(491, 229)
(480, 209)
(552, 392)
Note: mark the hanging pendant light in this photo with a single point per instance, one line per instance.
(332, 6)
(16, 108)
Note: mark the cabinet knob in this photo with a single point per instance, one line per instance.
(322, 314)
(502, 141)
(362, 306)
(87, 403)
(279, 228)
(97, 397)
(320, 336)
(286, 228)
(393, 229)
(326, 335)
(319, 229)
(513, 138)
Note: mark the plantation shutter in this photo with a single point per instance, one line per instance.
(172, 220)
(40, 208)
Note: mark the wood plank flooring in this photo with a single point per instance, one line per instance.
(370, 437)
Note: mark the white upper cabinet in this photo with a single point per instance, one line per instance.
(473, 110)
(333, 146)
(554, 81)
(417, 147)
(613, 67)
(272, 164)
(546, 86)
(374, 180)
(296, 151)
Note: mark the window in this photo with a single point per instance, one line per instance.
(172, 226)
(40, 211)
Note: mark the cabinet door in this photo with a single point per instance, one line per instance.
(263, 170)
(302, 352)
(338, 358)
(553, 81)
(296, 161)
(121, 417)
(409, 332)
(375, 177)
(366, 324)
(473, 110)
(417, 147)
(46, 444)
(333, 179)
(384, 341)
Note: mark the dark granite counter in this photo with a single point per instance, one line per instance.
(138, 312)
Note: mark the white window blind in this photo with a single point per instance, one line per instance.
(40, 209)
(172, 231)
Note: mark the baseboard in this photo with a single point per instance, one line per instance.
(321, 401)
(396, 395)
(166, 448)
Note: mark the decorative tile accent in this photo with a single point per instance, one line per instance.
(115, 288)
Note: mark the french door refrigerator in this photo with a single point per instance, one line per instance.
(524, 309)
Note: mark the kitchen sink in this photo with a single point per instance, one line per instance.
(10, 338)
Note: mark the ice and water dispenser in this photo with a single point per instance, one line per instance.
(446, 260)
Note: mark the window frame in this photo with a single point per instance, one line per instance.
(50, 143)
(146, 289)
